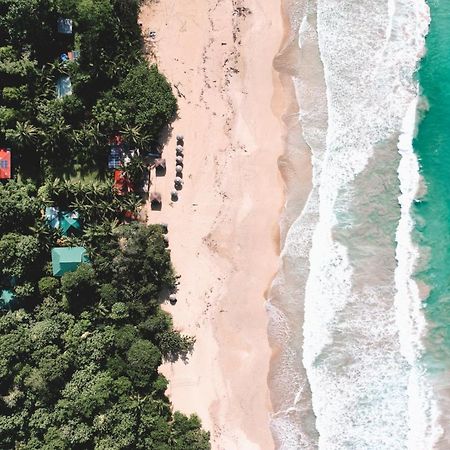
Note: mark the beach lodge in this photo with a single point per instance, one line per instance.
(67, 259)
(67, 222)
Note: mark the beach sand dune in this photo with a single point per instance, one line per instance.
(223, 230)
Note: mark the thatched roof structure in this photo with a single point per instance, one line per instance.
(160, 162)
(155, 197)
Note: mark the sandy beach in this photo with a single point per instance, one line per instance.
(223, 230)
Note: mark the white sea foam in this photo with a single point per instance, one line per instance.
(425, 430)
(359, 363)
(423, 412)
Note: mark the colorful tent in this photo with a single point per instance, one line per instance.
(67, 259)
(5, 164)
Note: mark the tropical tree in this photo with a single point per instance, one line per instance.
(135, 136)
(24, 136)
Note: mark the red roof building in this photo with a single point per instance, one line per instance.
(122, 183)
(5, 164)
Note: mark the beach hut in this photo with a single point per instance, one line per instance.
(66, 221)
(5, 164)
(63, 86)
(65, 26)
(160, 163)
(67, 259)
(69, 223)
(6, 298)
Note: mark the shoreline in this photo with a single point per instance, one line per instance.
(233, 132)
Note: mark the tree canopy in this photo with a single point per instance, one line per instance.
(79, 354)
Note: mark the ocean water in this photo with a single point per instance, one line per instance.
(360, 309)
(431, 210)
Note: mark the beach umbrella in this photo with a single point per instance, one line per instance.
(172, 299)
(155, 197)
(178, 180)
(174, 194)
(180, 149)
(179, 159)
(160, 163)
(180, 137)
(179, 169)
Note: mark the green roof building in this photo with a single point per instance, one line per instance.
(67, 259)
(69, 224)
(6, 298)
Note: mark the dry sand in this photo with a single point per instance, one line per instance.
(223, 230)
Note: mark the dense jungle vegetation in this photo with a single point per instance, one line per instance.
(79, 353)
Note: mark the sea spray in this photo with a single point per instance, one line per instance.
(424, 430)
(361, 323)
(358, 375)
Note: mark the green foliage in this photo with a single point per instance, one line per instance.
(48, 286)
(19, 207)
(147, 99)
(79, 356)
(79, 286)
(143, 359)
(19, 253)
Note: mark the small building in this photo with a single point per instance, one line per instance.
(5, 164)
(63, 86)
(69, 223)
(65, 26)
(6, 298)
(115, 157)
(67, 259)
(73, 55)
(66, 221)
(121, 182)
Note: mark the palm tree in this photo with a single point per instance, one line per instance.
(135, 136)
(24, 135)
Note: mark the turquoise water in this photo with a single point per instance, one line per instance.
(432, 213)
